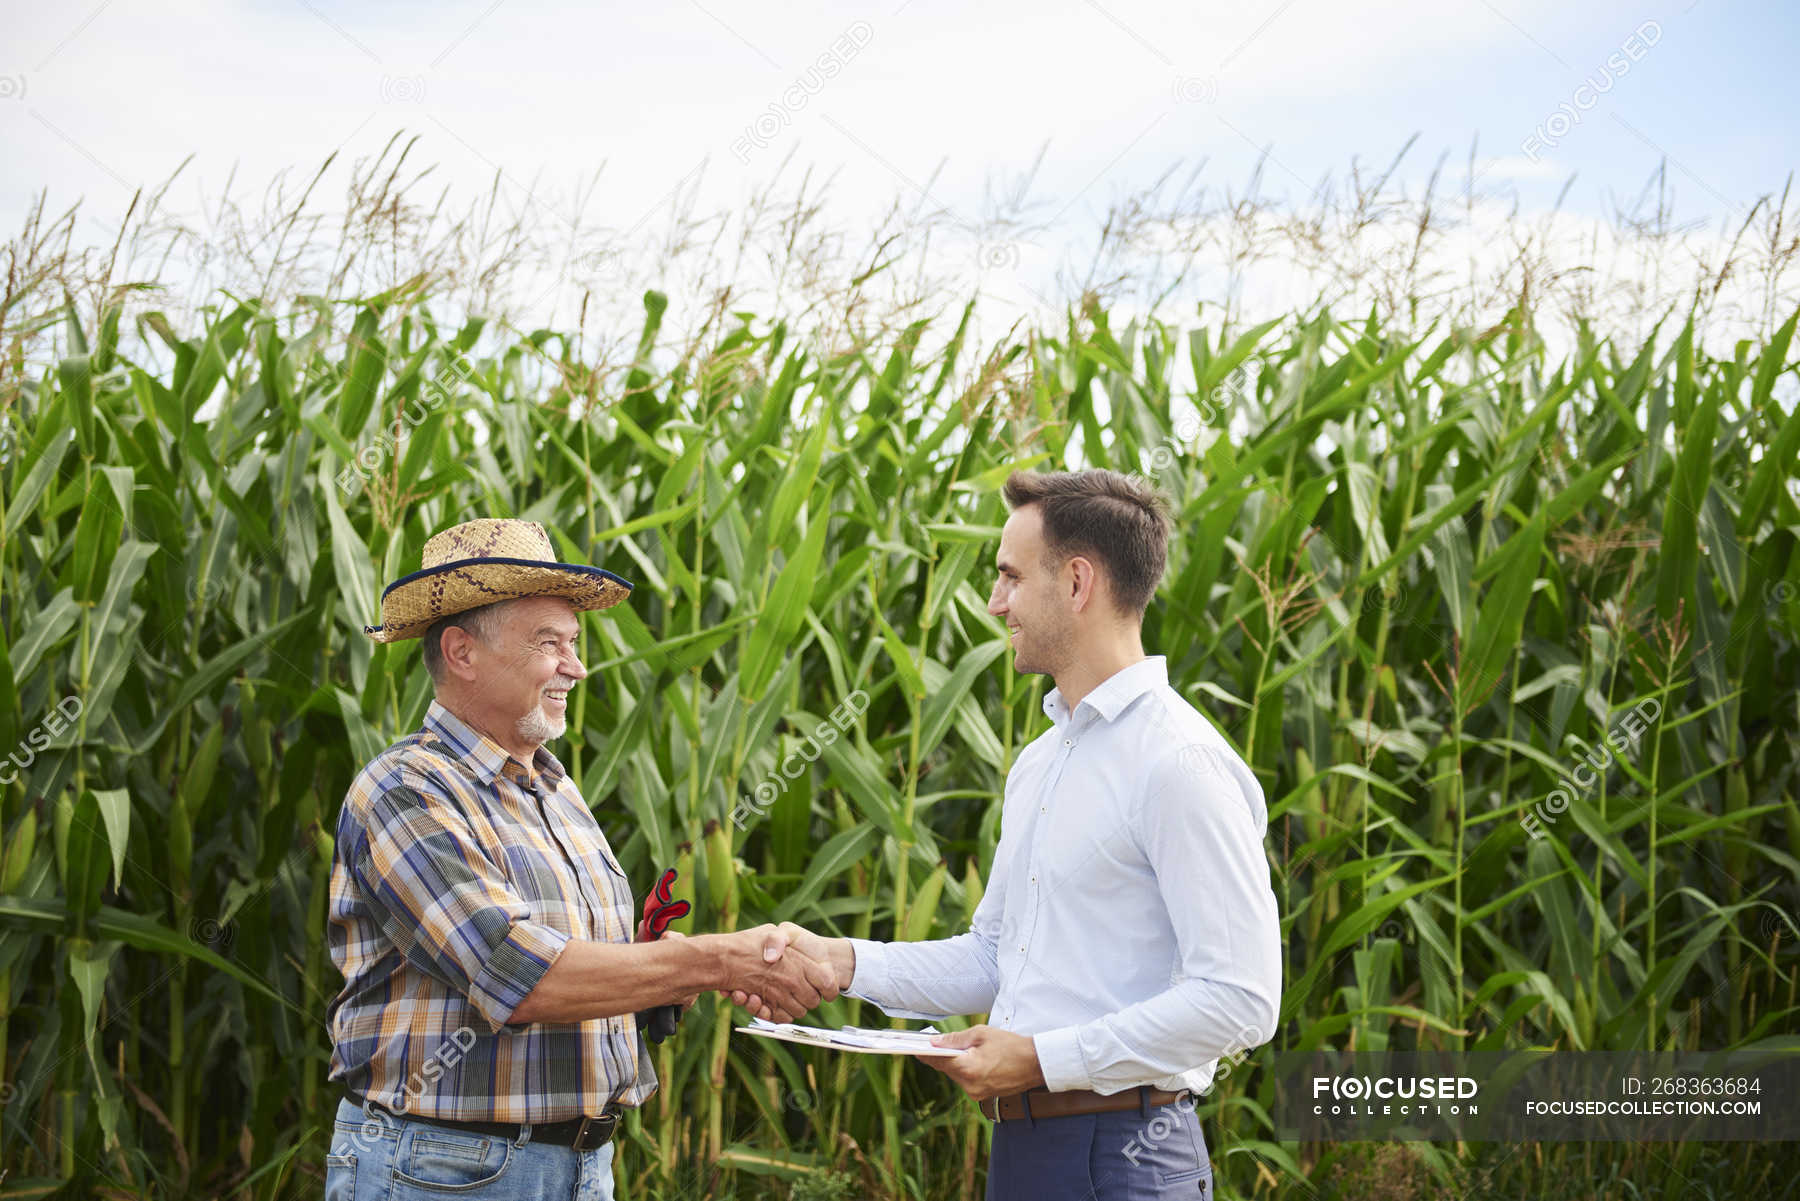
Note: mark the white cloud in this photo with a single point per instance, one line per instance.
(943, 97)
(1518, 166)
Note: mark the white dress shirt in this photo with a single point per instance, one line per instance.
(1128, 923)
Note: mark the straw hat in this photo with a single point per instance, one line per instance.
(484, 561)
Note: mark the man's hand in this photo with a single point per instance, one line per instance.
(999, 1062)
(776, 981)
(835, 952)
(774, 945)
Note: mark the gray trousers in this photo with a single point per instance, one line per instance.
(1121, 1156)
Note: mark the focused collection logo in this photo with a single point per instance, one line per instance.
(1376, 1096)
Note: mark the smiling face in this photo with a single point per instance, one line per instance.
(517, 683)
(1033, 598)
(540, 635)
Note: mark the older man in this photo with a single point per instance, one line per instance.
(1128, 937)
(486, 1034)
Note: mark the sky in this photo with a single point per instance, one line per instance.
(923, 100)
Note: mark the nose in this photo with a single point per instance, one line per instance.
(571, 666)
(996, 605)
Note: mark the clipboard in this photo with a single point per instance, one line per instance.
(853, 1038)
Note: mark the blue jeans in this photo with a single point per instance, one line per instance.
(1119, 1156)
(376, 1156)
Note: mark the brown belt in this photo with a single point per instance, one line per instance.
(1040, 1103)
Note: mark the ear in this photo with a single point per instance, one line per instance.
(459, 650)
(1083, 582)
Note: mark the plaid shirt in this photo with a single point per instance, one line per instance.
(458, 876)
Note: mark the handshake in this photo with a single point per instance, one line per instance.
(785, 970)
(781, 972)
(778, 973)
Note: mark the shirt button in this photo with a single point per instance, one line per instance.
(1068, 742)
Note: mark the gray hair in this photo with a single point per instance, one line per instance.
(482, 623)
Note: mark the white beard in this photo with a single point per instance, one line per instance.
(539, 727)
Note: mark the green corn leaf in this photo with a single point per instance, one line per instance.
(1502, 615)
(25, 498)
(1783, 458)
(943, 700)
(135, 930)
(783, 613)
(76, 375)
(1679, 558)
(833, 859)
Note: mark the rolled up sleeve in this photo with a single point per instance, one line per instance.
(446, 905)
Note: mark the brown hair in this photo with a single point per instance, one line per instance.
(1120, 522)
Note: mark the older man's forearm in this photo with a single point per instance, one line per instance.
(605, 979)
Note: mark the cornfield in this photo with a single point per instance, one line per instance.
(1414, 581)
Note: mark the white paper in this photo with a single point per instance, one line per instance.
(854, 1038)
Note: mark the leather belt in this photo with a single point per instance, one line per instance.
(580, 1134)
(1041, 1103)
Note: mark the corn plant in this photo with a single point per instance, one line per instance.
(1413, 581)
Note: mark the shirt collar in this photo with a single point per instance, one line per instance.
(485, 756)
(1116, 692)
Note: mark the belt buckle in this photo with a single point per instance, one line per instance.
(607, 1122)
